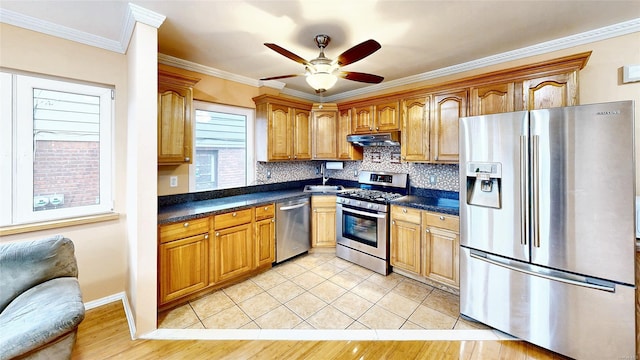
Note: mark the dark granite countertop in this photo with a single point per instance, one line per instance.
(440, 201)
(194, 209)
(436, 204)
(174, 208)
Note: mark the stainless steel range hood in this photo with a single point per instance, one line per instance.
(381, 139)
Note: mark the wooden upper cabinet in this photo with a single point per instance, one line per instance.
(551, 91)
(362, 119)
(447, 108)
(175, 116)
(301, 134)
(345, 150)
(283, 129)
(492, 99)
(387, 117)
(414, 145)
(280, 132)
(325, 131)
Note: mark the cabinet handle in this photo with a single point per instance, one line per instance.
(427, 230)
(295, 156)
(185, 224)
(393, 222)
(206, 236)
(187, 159)
(404, 211)
(441, 217)
(217, 233)
(377, 128)
(273, 220)
(370, 128)
(234, 214)
(266, 208)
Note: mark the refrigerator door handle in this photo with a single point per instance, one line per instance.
(535, 190)
(524, 185)
(523, 268)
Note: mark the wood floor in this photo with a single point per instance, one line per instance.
(104, 334)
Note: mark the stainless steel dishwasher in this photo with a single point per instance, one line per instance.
(292, 228)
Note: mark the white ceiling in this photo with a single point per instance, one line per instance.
(418, 38)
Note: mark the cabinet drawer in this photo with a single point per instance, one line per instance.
(449, 222)
(233, 218)
(183, 229)
(406, 214)
(323, 201)
(265, 211)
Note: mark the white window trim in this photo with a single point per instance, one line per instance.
(17, 155)
(250, 115)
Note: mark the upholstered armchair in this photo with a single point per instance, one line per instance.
(40, 300)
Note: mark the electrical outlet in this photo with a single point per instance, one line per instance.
(355, 173)
(268, 174)
(173, 181)
(433, 179)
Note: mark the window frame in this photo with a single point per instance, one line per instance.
(17, 158)
(250, 148)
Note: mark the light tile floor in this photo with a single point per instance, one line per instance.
(320, 291)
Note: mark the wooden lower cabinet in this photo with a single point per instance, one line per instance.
(405, 238)
(198, 255)
(426, 244)
(323, 221)
(265, 235)
(233, 252)
(183, 267)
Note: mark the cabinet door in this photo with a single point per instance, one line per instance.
(405, 245)
(280, 133)
(387, 117)
(323, 226)
(174, 125)
(324, 134)
(362, 121)
(233, 252)
(346, 151)
(265, 231)
(492, 99)
(415, 129)
(182, 267)
(551, 91)
(301, 135)
(447, 109)
(441, 256)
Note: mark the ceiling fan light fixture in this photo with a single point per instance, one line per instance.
(321, 81)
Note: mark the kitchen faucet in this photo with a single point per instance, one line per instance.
(323, 171)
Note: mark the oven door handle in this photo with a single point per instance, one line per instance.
(364, 213)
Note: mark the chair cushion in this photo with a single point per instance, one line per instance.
(28, 263)
(40, 315)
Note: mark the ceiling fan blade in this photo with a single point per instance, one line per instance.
(358, 52)
(279, 77)
(361, 77)
(282, 51)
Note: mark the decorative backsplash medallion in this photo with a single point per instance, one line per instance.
(375, 158)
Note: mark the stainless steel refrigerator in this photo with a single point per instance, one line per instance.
(547, 240)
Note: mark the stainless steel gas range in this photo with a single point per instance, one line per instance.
(362, 219)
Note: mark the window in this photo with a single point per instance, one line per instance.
(223, 154)
(55, 156)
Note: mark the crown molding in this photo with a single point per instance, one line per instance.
(137, 13)
(191, 66)
(134, 14)
(587, 37)
(49, 28)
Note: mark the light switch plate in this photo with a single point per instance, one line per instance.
(173, 181)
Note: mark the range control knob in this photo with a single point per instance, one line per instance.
(358, 203)
(369, 206)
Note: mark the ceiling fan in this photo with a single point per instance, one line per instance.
(322, 73)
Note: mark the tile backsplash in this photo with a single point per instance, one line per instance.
(384, 158)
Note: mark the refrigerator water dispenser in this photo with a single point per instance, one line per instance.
(484, 183)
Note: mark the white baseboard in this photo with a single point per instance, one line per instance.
(121, 296)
